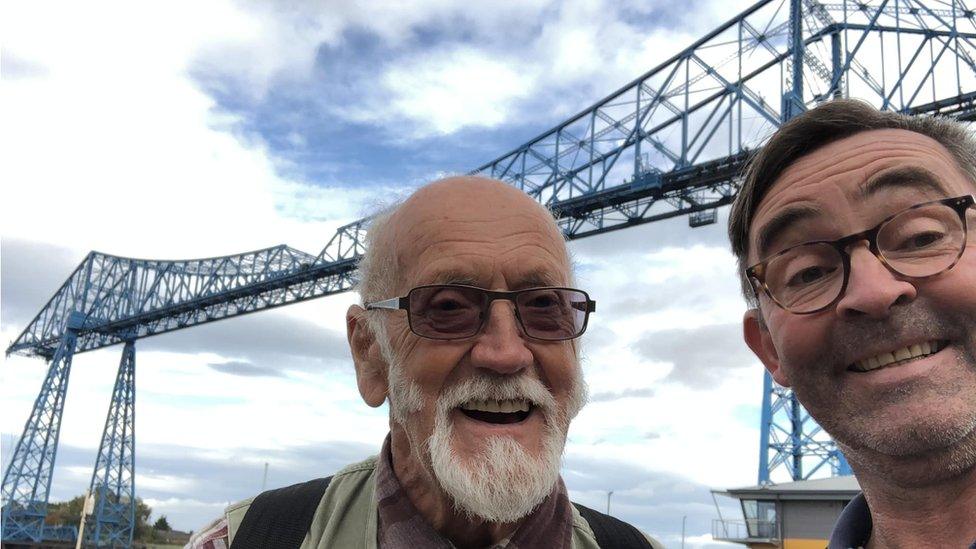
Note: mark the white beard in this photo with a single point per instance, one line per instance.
(503, 482)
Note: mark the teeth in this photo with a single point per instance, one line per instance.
(905, 353)
(497, 406)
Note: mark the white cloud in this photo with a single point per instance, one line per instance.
(492, 63)
(116, 148)
(165, 483)
(185, 512)
(446, 91)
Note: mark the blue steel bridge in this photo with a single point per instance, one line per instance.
(670, 143)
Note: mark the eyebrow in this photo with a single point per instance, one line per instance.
(776, 226)
(536, 279)
(454, 277)
(911, 177)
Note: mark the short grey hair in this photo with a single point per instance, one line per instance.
(829, 122)
(377, 272)
(377, 265)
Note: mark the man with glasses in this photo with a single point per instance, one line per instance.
(468, 329)
(855, 232)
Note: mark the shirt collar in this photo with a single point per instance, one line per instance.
(853, 527)
(400, 525)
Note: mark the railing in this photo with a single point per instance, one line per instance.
(742, 530)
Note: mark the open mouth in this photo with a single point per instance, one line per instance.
(499, 412)
(898, 357)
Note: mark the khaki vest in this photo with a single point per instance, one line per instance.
(346, 516)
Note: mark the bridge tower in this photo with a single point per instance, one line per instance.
(112, 488)
(788, 436)
(27, 481)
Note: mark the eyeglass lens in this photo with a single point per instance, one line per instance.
(454, 312)
(916, 243)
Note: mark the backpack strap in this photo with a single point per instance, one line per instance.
(280, 519)
(611, 532)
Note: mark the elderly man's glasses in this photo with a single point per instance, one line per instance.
(922, 241)
(454, 311)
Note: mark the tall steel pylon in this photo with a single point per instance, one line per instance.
(112, 522)
(27, 482)
(788, 436)
(790, 439)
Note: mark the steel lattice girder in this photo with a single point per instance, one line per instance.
(721, 97)
(27, 481)
(112, 523)
(122, 297)
(791, 439)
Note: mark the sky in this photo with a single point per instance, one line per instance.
(186, 129)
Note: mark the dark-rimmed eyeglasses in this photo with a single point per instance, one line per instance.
(919, 242)
(457, 311)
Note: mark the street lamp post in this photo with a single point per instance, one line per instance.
(683, 519)
(609, 493)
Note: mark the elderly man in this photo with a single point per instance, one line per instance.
(469, 329)
(855, 232)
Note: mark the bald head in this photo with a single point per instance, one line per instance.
(459, 229)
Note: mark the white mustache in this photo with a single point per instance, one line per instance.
(497, 388)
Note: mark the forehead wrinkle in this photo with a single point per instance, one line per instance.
(885, 147)
(479, 229)
(910, 177)
(539, 264)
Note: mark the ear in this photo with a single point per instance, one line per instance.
(371, 369)
(757, 337)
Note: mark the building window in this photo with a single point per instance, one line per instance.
(760, 518)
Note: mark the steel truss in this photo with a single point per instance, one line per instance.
(614, 164)
(112, 488)
(670, 143)
(27, 481)
(791, 439)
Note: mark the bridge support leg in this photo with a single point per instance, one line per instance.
(27, 481)
(112, 522)
(788, 438)
(765, 424)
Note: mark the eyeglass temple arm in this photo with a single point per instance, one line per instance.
(587, 306)
(392, 303)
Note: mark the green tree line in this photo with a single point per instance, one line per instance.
(69, 512)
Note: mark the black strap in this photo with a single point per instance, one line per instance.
(280, 519)
(612, 533)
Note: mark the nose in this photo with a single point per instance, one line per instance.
(500, 347)
(872, 289)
